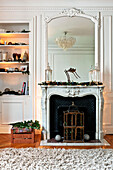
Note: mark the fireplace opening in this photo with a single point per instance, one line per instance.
(59, 104)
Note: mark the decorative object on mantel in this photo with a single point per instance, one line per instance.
(94, 74)
(73, 71)
(91, 74)
(55, 83)
(24, 132)
(48, 74)
(65, 42)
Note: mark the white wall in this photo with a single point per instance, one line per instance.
(24, 10)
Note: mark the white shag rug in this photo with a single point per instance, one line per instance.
(56, 159)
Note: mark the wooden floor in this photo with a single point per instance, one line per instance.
(5, 142)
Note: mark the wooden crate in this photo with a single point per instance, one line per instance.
(73, 127)
(23, 137)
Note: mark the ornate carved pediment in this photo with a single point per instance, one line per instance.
(72, 12)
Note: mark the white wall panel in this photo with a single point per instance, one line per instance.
(107, 73)
(107, 52)
(12, 111)
(107, 119)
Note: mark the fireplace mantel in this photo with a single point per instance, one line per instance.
(72, 91)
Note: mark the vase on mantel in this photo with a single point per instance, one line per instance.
(48, 74)
(91, 74)
(96, 74)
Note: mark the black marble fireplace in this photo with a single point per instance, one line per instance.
(59, 104)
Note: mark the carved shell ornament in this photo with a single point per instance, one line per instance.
(72, 12)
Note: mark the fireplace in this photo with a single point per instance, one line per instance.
(59, 104)
(56, 99)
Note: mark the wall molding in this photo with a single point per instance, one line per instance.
(52, 8)
(77, 50)
(107, 46)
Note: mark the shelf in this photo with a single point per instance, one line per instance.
(14, 35)
(14, 62)
(13, 96)
(14, 46)
(13, 73)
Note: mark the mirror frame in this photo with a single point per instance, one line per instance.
(72, 12)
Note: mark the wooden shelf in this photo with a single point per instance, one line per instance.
(14, 46)
(13, 73)
(14, 62)
(14, 35)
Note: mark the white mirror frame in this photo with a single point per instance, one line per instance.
(73, 12)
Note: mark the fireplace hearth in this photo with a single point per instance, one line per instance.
(56, 99)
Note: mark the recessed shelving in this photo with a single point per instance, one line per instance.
(14, 73)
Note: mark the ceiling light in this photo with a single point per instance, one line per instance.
(65, 42)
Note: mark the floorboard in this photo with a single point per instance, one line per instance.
(5, 142)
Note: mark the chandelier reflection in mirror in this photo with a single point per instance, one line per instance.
(65, 42)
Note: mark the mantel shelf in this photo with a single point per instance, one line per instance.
(71, 86)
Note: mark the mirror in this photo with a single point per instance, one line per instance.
(83, 54)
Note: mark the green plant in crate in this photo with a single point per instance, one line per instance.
(26, 124)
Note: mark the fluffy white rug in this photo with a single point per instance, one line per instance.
(56, 159)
